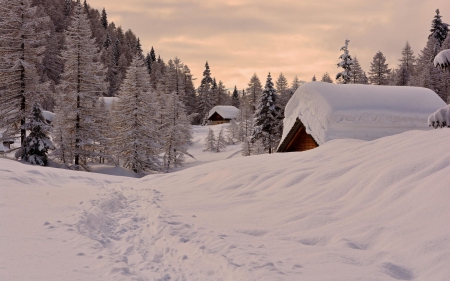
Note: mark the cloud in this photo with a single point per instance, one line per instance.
(303, 38)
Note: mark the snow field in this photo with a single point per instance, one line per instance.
(348, 210)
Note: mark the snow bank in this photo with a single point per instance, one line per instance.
(226, 111)
(364, 112)
(442, 59)
(350, 209)
(440, 118)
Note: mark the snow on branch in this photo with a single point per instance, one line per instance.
(440, 118)
(442, 59)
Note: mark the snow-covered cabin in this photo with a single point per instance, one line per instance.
(319, 112)
(222, 114)
(443, 59)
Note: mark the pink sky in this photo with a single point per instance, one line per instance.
(299, 38)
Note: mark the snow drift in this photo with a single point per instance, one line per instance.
(364, 112)
(348, 210)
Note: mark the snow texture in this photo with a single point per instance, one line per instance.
(442, 59)
(109, 101)
(226, 111)
(440, 118)
(348, 210)
(364, 112)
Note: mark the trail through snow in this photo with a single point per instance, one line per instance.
(348, 210)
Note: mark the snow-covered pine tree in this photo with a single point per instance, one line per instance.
(254, 91)
(357, 72)
(21, 49)
(214, 93)
(222, 97)
(346, 63)
(81, 84)
(205, 95)
(406, 66)
(221, 143)
(177, 133)
(104, 19)
(284, 94)
(258, 147)
(326, 78)
(245, 119)
(137, 141)
(267, 118)
(189, 98)
(439, 30)
(246, 150)
(235, 98)
(379, 70)
(233, 132)
(210, 141)
(36, 145)
(296, 84)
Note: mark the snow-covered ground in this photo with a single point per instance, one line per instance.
(348, 210)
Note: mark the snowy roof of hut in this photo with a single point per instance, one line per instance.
(226, 111)
(48, 115)
(442, 59)
(366, 112)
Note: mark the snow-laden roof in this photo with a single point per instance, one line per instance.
(109, 101)
(442, 59)
(440, 118)
(226, 111)
(48, 115)
(364, 112)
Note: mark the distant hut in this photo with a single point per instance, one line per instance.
(319, 112)
(222, 114)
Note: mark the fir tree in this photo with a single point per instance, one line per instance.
(139, 48)
(235, 98)
(245, 119)
(177, 133)
(137, 141)
(104, 19)
(21, 49)
(254, 91)
(314, 78)
(439, 29)
(326, 78)
(267, 118)
(36, 145)
(148, 63)
(406, 66)
(222, 97)
(282, 87)
(205, 94)
(81, 85)
(357, 73)
(233, 132)
(221, 143)
(246, 150)
(346, 63)
(296, 84)
(210, 141)
(379, 70)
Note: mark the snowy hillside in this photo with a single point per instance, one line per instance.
(348, 210)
